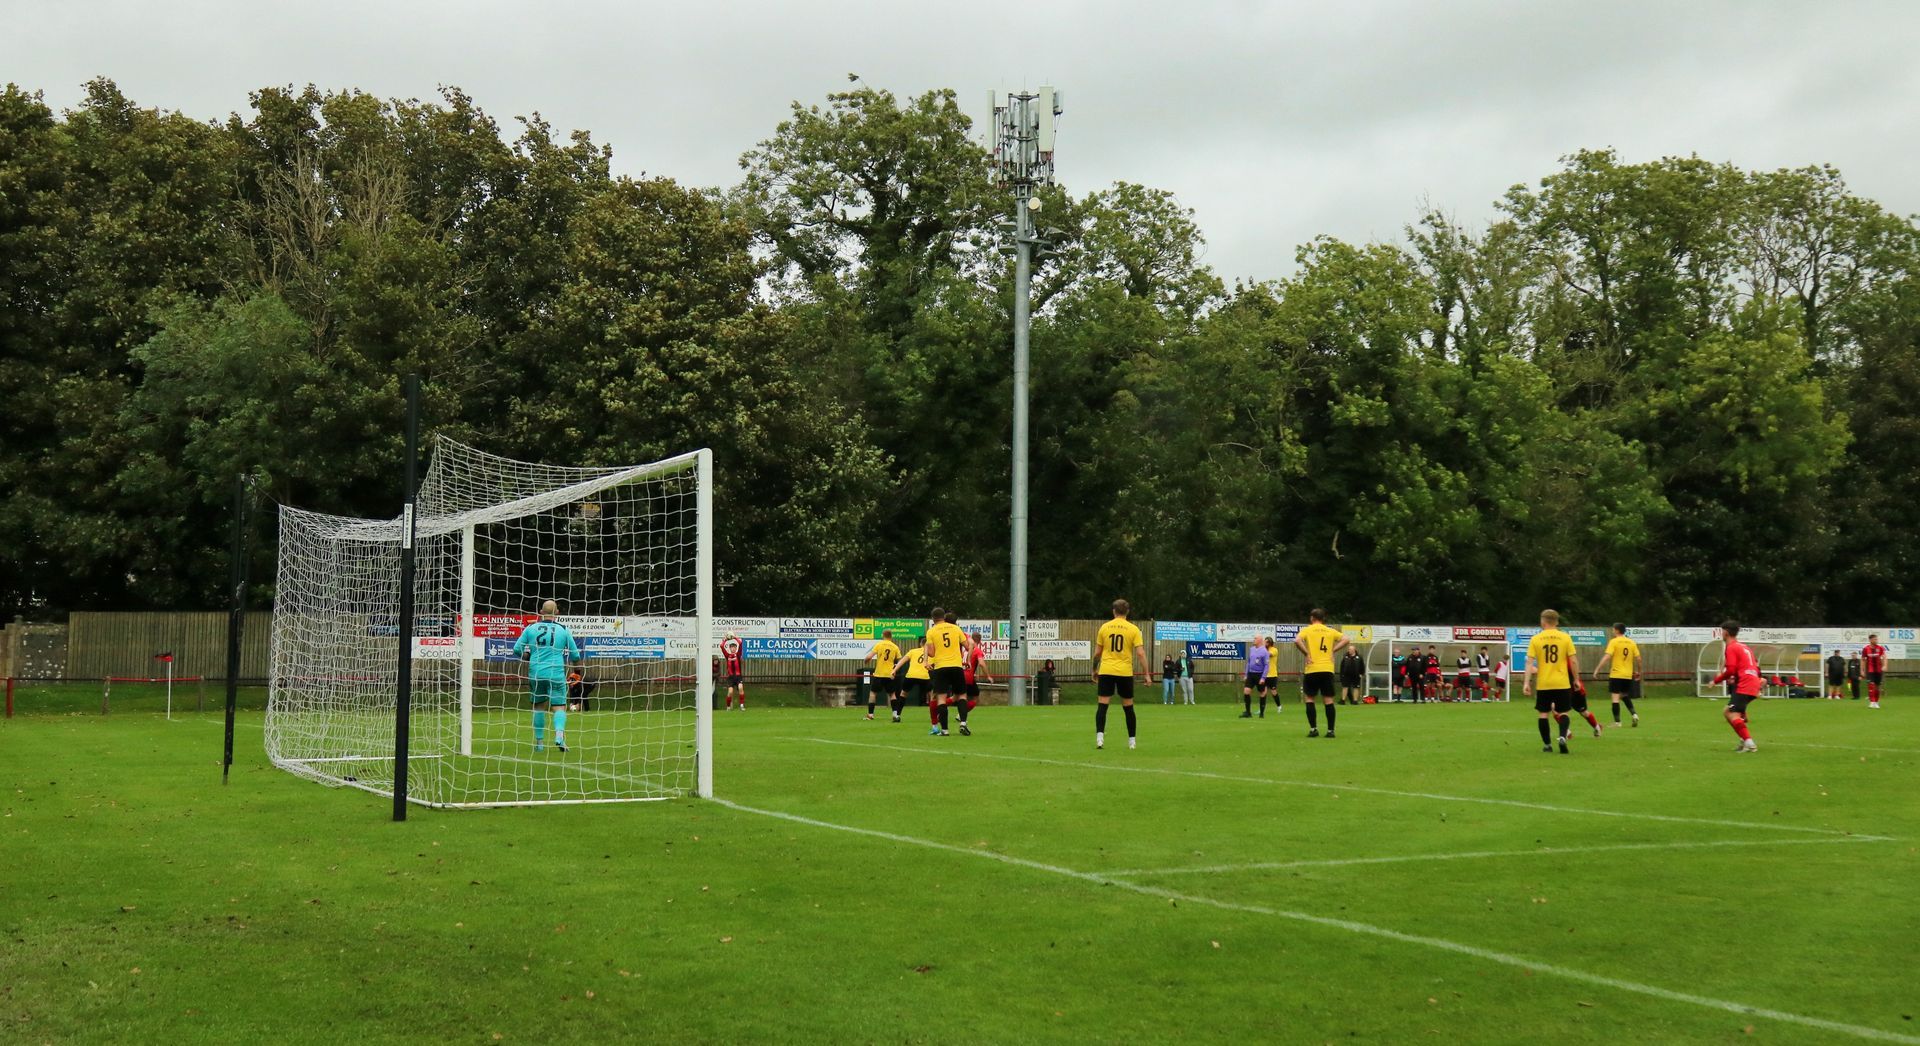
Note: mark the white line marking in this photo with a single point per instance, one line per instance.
(1470, 855)
(1564, 972)
(1647, 735)
(1631, 814)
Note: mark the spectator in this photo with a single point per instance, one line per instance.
(1353, 675)
(1186, 675)
(1169, 674)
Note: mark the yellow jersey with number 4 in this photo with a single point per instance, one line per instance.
(1320, 640)
(1548, 654)
(1626, 657)
(1118, 639)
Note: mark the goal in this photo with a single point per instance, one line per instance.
(1381, 681)
(627, 553)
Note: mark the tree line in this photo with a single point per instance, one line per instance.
(1672, 390)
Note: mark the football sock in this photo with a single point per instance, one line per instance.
(1594, 721)
(1100, 718)
(1313, 717)
(539, 725)
(560, 726)
(1131, 722)
(1565, 721)
(1329, 718)
(1873, 691)
(944, 710)
(1263, 704)
(964, 707)
(1247, 700)
(933, 712)
(1628, 701)
(1616, 713)
(1546, 734)
(1740, 727)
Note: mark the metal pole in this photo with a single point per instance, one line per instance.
(703, 627)
(1022, 321)
(237, 615)
(464, 642)
(403, 679)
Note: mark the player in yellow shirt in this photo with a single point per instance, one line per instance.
(948, 646)
(1623, 656)
(884, 655)
(1118, 648)
(1552, 668)
(1321, 644)
(1272, 679)
(919, 679)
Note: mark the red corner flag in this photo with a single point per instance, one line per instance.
(168, 656)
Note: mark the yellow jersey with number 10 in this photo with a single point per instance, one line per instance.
(1548, 654)
(1117, 641)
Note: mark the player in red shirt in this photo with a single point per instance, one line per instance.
(1744, 673)
(733, 651)
(1873, 658)
(975, 667)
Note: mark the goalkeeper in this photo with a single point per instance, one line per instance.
(548, 646)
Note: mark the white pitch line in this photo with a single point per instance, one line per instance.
(1651, 736)
(1549, 807)
(1367, 929)
(1470, 855)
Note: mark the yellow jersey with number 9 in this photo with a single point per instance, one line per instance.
(1548, 654)
(1320, 640)
(1117, 641)
(1626, 655)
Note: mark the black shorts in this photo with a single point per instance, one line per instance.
(1620, 686)
(973, 690)
(1117, 686)
(916, 691)
(1350, 682)
(1739, 702)
(886, 685)
(949, 680)
(1463, 681)
(1874, 678)
(1317, 684)
(1255, 681)
(1836, 681)
(1550, 700)
(734, 680)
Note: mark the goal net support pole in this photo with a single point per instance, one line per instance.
(464, 641)
(703, 627)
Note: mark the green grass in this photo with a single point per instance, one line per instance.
(141, 900)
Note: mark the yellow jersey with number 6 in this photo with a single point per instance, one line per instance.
(1117, 641)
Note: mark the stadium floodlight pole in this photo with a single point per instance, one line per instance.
(237, 616)
(403, 679)
(1022, 159)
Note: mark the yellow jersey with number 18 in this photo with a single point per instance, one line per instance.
(1626, 657)
(1548, 654)
(1118, 639)
(1320, 640)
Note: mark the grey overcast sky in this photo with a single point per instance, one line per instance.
(1275, 121)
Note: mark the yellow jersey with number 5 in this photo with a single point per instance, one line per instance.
(1117, 641)
(1548, 654)
(949, 645)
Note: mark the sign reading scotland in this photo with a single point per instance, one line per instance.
(1216, 650)
(1183, 631)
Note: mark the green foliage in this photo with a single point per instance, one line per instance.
(1647, 390)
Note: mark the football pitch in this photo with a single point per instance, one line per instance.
(1430, 875)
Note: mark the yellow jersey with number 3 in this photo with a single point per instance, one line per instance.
(1626, 657)
(885, 656)
(949, 645)
(1548, 654)
(1320, 640)
(1118, 639)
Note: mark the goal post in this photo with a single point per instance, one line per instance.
(627, 554)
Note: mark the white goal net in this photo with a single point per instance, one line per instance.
(626, 553)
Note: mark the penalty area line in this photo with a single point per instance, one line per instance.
(1365, 929)
(1472, 855)
(1360, 789)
